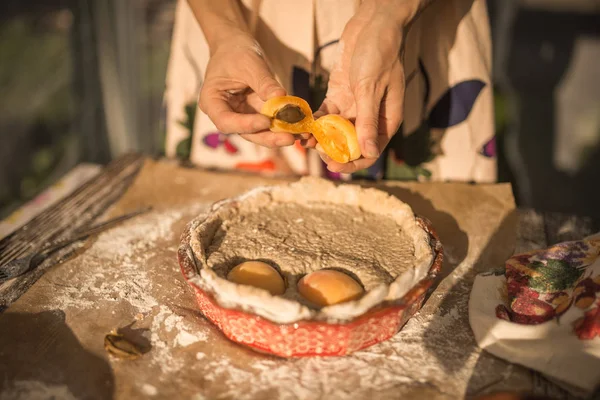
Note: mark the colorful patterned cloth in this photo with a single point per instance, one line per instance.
(448, 131)
(543, 311)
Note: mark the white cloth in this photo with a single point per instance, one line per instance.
(555, 331)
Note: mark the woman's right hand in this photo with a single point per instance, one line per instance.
(237, 83)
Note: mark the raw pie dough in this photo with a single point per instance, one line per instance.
(303, 227)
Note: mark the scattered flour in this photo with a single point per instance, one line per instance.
(149, 390)
(161, 349)
(166, 321)
(185, 338)
(131, 245)
(35, 390)
(432, 355)
(383, 370)
(177, 323)
(127, 248)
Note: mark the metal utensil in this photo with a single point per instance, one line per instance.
(31, 261)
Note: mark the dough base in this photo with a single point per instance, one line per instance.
(299, 239)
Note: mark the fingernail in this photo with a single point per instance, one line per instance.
(371, 149)
(322, 154)
(276, 92)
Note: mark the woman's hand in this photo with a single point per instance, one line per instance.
(237, 80)
(367, 83)
(236, 85)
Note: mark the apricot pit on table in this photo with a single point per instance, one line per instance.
(336, 135)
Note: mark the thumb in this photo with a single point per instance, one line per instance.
(367, 122)
(328, 107)
(265, 85)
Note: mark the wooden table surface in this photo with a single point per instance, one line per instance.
(78, 210)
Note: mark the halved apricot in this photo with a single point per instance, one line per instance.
(289, 114)
(336, 135)
(258, 274)
(327, 287)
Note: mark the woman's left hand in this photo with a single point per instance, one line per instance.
(367, 83)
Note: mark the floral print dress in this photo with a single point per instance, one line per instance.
(448, 130)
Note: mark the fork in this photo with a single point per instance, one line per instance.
(31, 261)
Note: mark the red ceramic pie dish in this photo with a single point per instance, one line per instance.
(312, 338)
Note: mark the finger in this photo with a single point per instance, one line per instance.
(367, 120)
(359, 164)
(309, 143)
(352, 166)
(326, 108)
(326, 159)
(390, 116)
(228, 121)
(270, 139)
(265, 85)
(391, 111)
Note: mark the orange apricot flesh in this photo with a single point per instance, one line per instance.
(258, 274)
(336, 135)
(289, 114)
(327, 287)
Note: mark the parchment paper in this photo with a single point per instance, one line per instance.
(51, 339)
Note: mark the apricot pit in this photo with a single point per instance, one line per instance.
(290, 113)
(336, 135)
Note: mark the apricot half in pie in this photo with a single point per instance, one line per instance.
(258, 274)
(335, 134)
(327, 287)
(321, 288)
